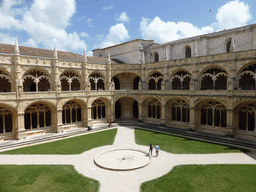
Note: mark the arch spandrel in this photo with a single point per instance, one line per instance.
(149, 73)
(242, 66)
(203, 70)
(8, 73)
(178, 70)
(81, 101)
(10, 106)
(201, 101)
(147, 98)
(76, 72)
(102, 73)
(107, 100)
(50, 104)
(45, 71)
(123, 96)
(174, 99)
(117, 73)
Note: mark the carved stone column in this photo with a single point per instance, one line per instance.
(140, 119)
(163, 123)
(192, 117)
(19, 126)
(230, 131)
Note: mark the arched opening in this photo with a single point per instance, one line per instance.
(213, 114)
(245, 117)
(98, 110)
(181, 80)
(188, 52)
(5, 85)
(154, 109)
(125, 81)
(6, 116)
(117, 83)
(156, 57)
(154, 82)
(247, 78)
(214, 78)
(37, 116)
(136, 83)
(126, 108)
(69, 81)
(97, 81)
(35, 80)
(180, 111)
(117, 110)
(228, 45)
(71, 112)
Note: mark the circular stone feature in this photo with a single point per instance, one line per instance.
(123, 159)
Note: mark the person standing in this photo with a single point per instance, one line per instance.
(157, 149)
(150, 149)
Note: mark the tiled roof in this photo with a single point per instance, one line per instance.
(31, 51)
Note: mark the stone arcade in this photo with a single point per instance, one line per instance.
(204, 83)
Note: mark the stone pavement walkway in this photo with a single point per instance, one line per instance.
(127, 181)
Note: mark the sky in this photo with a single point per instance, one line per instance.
(78, 25)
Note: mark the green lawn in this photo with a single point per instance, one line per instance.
(74, 145)
(44, 178)
(180, 145)
(205, 178)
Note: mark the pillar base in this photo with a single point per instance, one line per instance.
(140, 120)
(21, 135)
(192, 126)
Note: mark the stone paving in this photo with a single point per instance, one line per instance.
(115, 181)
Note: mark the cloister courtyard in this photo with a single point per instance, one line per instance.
(184, 164)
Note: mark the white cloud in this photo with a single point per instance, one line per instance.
(54, 13)
(161, 31)
(44, 22)
(29, 43)
(117, 34)
(123, 17)
(6, 39)
(233, 14)
(83, 34)
(89, 53)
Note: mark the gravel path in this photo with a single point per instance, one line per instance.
(118, 181)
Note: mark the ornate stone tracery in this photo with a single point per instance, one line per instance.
(35, 80)
(5, 120)
(71, 112)
(154, 81)
(69, 81)
(37, 116)
(97, 81)
(154, 109)
(98, 109)
(213, 114)
(180, 111)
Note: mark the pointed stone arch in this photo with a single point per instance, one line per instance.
(214, 77)
(97, 81)
(35, 80)
(180, 79)
(70, 80)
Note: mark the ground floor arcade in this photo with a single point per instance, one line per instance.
(208, 115)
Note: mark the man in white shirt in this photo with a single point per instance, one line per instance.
(157, 149)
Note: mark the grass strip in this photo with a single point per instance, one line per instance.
(19, 178)
(201, 178)
(74, 145)
(180, 145)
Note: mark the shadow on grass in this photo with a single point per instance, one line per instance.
(227, 147)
